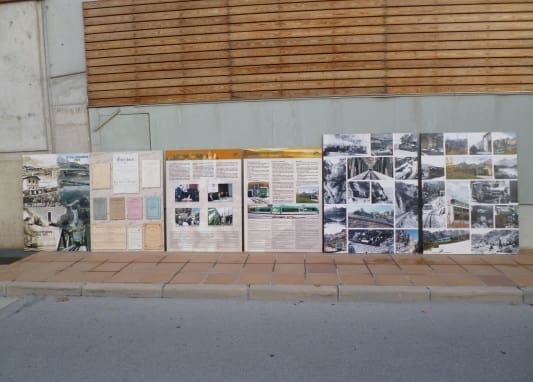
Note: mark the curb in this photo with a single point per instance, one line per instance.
(3, 289)
(6, 301)
(205, 291)
(18, 288)
(292, 292)
(508, 295)
(123, 290)
(383, 293)
(528, 295)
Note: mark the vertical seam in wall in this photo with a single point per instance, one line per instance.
(41, 29)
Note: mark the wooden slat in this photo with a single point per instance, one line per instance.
(159, 51)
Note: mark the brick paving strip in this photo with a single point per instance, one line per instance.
(279, 276)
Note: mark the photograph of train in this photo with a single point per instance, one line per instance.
(381, 144)
(446, 241)
(433, 167)
(370, 216)
(370, 241)
(405, 144)
(506, 216)
(346, 144)
(494, 192)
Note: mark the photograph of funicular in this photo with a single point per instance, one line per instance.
(446, 241)
(495, 241)
(480, 143)
(220, 216)
(469, 167)
(432, 143)
(482, 216)
(406, 211)
(334, 173)
(370, 216)
(458, 204)
(334, 240)
(406, 240)
(405, 144)
(370, 241)
(307, 194)
(359, 192)
(283, 211)
(504, 143)
(434, 204)
(506, 216)
(494, 192)
(187, 193)
(187, 217)
(433, 167)
(506, 167)
(381, 144)
(259, 192)
(456, 143)
(375, 168)
(405, 168)
(346, 144)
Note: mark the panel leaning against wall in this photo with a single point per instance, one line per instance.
(127, 197)
(370, 193)
(470, 201)
(204, 202)
(56, 202)
(283, 210)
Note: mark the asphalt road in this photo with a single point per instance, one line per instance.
(108, 339)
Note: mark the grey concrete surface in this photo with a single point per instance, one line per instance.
(96, 339)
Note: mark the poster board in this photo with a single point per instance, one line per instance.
(127, 199)
(470, 193)
(204, 200)
(370, 193)
(283, 193)
(56, 202)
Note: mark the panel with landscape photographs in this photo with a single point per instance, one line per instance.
(371, 193)
(469, 192)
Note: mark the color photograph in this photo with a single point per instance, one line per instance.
(505, 143)
(406, 240)
(458, 204)
(220, 216)
(480, 143)
(186, 193)
(506, 216)
(259, 192)
(307, 194)
(456, 143)
(334, 240)
(220, 192)
(187, 217)
(446, 241)
(469, 167)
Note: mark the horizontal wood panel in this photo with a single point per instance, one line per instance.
(160, 51)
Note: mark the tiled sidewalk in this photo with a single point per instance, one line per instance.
(275, 269)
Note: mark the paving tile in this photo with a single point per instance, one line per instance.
(447, 268)
(467, 259)
(176, 258)
(502, 280)
(356, 279)
(427, 280)
(382, 279)
(188, 278)
(288, 278)
(149, 258)
(320, 268)
(461, 280)
(260, 259)
(414, 269)
(290, 258)
(197, 267)
(255, 278)
(232, 258)
(523, 259)
(498, 259)
(109, 267)
(203, 258)
(227, 268)
(409, 259)
(159, 276)
(84, 266)
(221, 278)
(92, 277)
(513, 269)
(383, 268)
(96, 257)
(319, 259)
(438, 260)
(321, 279)
(289, 268)
(36, 275)
(522, 280)
(481, 269)
(259, 268)
(352, 269)
(348, 259)
(378, 259)
(123, 257)
(69, 276)
(530, 267)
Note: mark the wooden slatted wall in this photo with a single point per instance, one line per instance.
(164, 51)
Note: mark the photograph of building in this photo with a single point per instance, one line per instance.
(432, 143)
(480, 143)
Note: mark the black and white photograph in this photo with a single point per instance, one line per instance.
(346, 144)
(186, 193)
(381, 144)
(506, 216)
(458, 204)
(334, 217)
(187, 217)
(497, 241)
(406, 210)
(405, 168)
(505, 167)
(405, 144)
(334, 240)
(359, 192)
(406, 240)
(307, 194)
(480, 143)
(259, 192)
(382, 192)
(433, 167)
(469, 167)
(371, 241)
(504, 143)
(370, 216)
(334, 174)
(375, 168)
(432, 143)
(220, 216)
(482, 216)
(456, 143)
(446, 241)
(220, 192)
(434, 204)
(494, 192)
